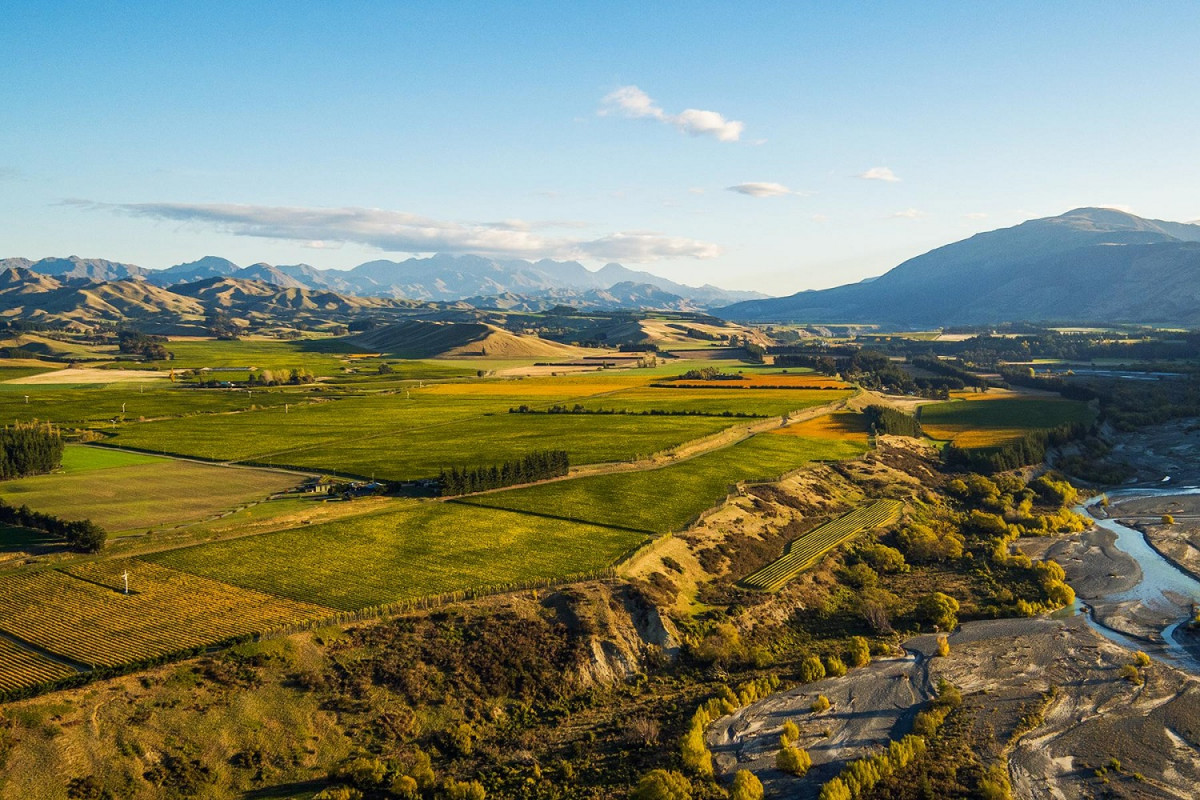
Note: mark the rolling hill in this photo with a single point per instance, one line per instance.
(1090, 265)
(425, 339)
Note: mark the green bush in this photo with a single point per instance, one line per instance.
(661, 784)
(811, 669)
(794, 760)
(746, 786)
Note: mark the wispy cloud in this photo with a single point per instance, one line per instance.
(879, 174)
(760, 189)
(632, 102)
(11, 174)
(402, 232)
(975, 215)
(908, 213)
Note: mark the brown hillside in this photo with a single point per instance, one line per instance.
(419, 339)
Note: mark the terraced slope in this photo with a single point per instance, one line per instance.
(803, 552)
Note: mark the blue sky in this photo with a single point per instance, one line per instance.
(777, 147)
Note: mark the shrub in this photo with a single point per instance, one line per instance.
(406, 787)
(834, 667)
(462, 790)
(820, 704)
(1141, 659)
(859, 654)
(995, 785)
(794, 760)
(746, 786)
(338, 793)
(1167, 519)
(939, 610)
(790, 732)
(1132, 674)
(661, 784)
(811, 669)
(943, 646)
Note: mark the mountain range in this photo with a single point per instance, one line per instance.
(1089, 265)
(440, 278)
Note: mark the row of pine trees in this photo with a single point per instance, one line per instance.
(536, 466)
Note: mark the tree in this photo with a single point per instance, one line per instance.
(943, 646)
(939, 610)
(746, 786)
(661, 784)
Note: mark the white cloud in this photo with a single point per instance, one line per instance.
(976, 215)
(696, 190)
(908, 213)
(647, 246)
(402, 232)
(879, 174)
(632, 102)
(701, 123)
(760, 189)
(821, 218)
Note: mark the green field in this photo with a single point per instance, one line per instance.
(142, 492)
(314, 355)
(760, 402)
(985, 423)
(427, 549)
(661, 500)
(483, 441)
(87, 459)
(415, 433)
(97, 405)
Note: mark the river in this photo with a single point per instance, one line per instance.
(1163, 587)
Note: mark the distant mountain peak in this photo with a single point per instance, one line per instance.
(1053, 269)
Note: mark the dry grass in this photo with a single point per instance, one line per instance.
(87, 375)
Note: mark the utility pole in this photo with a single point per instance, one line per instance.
(125, 575)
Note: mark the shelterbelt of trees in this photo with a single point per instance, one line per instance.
(29, 450)
(83, 534)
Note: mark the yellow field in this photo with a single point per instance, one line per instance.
(843, 425)
(753, 381)
(990, 394)
(20, 668)
(968, 438)
(81, 612)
